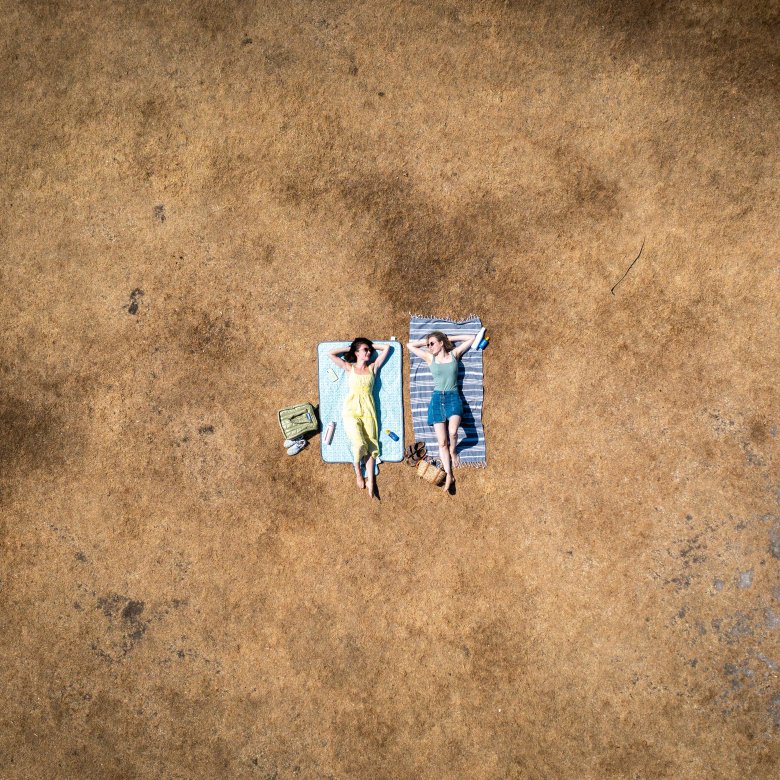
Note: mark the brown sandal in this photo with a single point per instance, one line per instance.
(415, 453)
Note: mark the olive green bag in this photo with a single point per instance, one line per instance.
(297, 421)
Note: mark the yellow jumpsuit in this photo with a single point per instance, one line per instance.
(359, 414)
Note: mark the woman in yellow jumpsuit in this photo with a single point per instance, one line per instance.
(359, 412)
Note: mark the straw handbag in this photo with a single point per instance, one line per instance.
(431, 473)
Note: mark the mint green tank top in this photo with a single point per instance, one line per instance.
(445, 375)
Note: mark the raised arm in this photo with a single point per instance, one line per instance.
(466, 342)
(333, 354)
(384, 351)
(414, 348)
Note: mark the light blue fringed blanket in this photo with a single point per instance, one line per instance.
(471, 434)
(388, 397)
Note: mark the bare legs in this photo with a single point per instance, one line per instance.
(447, 441)
(454, 424)
(369, 479)
(361, 483)
(363, 435)
(370, 476)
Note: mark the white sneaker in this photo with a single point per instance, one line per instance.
(296, 446)
(289, 442)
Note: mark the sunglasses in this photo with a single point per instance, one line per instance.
(431, 344)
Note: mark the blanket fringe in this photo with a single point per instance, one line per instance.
(441, 317)
(482, 464)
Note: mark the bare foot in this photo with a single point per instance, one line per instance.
(370, 486)
(448, 482)
(454, 457)
(361, 483)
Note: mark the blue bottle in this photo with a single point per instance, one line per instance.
(392, 435)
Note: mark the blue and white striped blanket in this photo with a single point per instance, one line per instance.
(471, 434)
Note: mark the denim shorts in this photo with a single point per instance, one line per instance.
(444, 404)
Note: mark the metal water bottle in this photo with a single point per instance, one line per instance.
(328, 435)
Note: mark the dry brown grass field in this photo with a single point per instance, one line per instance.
(194, 194)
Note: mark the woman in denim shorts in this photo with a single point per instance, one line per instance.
(446, 407)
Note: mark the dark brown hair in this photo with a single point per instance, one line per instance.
(439, 336)
(350, 355)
